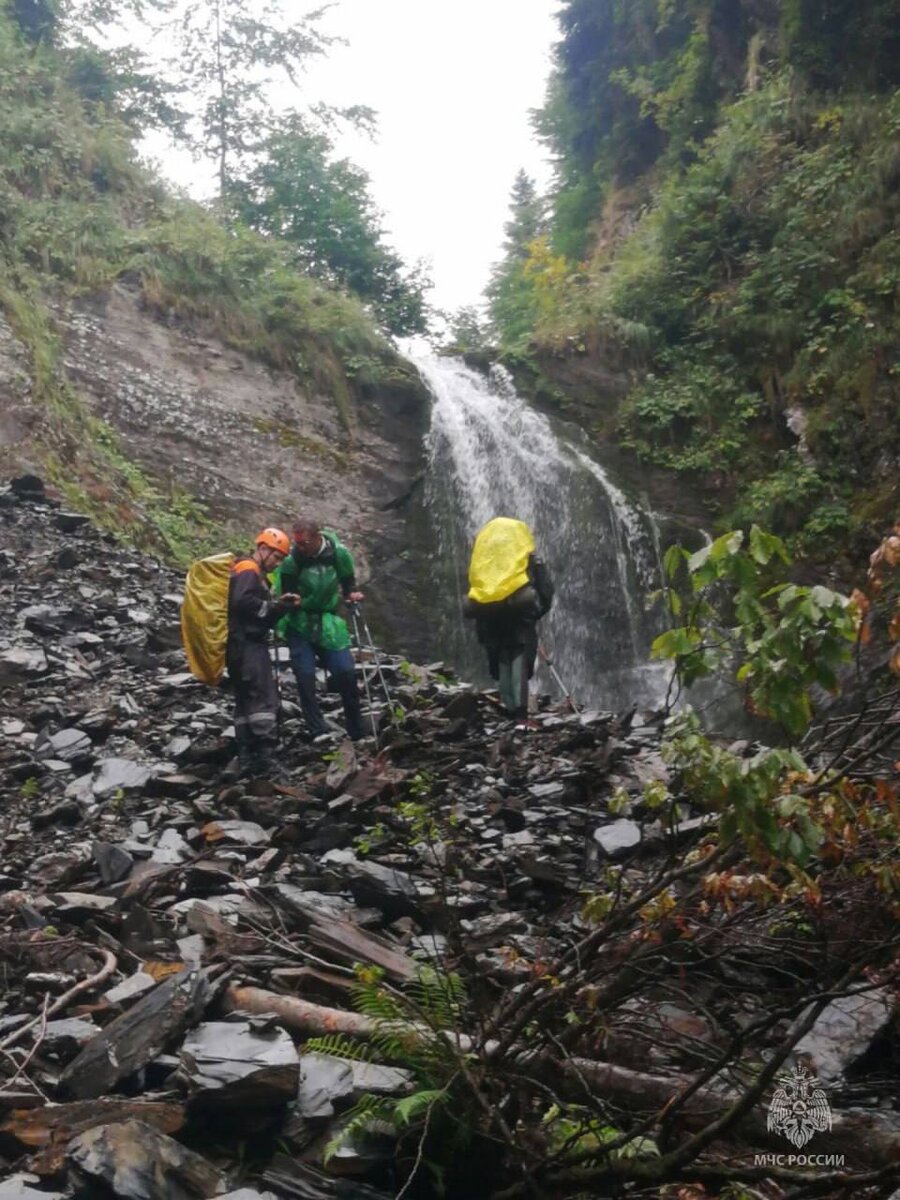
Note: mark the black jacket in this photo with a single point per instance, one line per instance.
(251, 610)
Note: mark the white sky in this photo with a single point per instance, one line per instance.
(452, 84)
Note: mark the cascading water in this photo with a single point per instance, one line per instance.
(490, 455)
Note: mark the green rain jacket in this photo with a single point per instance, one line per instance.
(321, 581)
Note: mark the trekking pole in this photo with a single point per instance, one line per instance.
(365, 673)
(387, 691)
(277, 674)
(543, 652)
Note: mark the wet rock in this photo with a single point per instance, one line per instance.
(113, 863)
(380, 1080)
(617, 838)
(119, 774)
(67, 1036)
(843, 1032)
(130, 989)
(69, 522)
(325, 1082)
(394, 892)
(136, 1161)
(238, 833)
(133, 1039)
(20, 662)
(233, 1064)
(462, 706)
(24, 1187)
(69, 745)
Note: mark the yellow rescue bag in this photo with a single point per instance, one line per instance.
(499, 562)
(204, 616)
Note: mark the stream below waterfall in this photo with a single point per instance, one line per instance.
(490, 454)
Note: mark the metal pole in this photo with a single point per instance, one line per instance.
(542, 651)
(365, 674)
(277, 674)
(365, 625)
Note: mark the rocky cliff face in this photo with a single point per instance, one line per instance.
(254, 445)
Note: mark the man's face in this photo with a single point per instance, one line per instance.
(270, 559)
(307, 541)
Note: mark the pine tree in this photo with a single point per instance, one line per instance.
(509, 292)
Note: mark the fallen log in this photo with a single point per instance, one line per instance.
(865, 1137)
(317, 1020)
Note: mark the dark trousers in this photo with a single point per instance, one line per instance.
(339, 665)
(511, 649)
(255, 695)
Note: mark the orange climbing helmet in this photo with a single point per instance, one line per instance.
(275, 539)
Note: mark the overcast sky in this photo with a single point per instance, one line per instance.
(452, 84)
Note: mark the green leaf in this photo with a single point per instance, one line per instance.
(765, 546)
(419, 1102)
(673, 558)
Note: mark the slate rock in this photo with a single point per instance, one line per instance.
(238, 833)
(119, 774)
(231, 1063)
(325, 1081)
(20, 662)
(130, 989)
(843, 1032)
(70, 522)
(113, 863)
(70, 745)
(618, 837)
(136, 1161)
(19, 1187)
(464, 705)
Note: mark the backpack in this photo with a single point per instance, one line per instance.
(499, 563)
(204, 616)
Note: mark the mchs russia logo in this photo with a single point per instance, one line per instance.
(799, 1108)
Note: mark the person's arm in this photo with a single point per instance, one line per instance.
(543, 585)
(252, 601)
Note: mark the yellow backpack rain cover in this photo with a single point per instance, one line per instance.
(499, 562)
(204, 616)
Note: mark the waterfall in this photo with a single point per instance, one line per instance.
(490, 455)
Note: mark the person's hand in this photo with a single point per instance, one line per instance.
(355, 597)
(288, 600)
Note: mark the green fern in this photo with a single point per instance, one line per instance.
(338, 1045)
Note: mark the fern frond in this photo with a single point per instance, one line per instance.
(338, 1045)
(370, 1114)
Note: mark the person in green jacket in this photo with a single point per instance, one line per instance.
(319, 569)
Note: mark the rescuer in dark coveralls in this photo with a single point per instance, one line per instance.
(252, 612)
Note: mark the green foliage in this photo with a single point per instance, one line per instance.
(574, 1132)
(466, 332)
(226, 55)
(739, 609)
(414, 1030)
(321, 207)
(30, 789)
(512, 303)
(760, 281)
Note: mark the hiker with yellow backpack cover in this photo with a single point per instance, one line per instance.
(226, 616)
(510, 589)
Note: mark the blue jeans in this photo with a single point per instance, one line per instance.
(339, 665)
